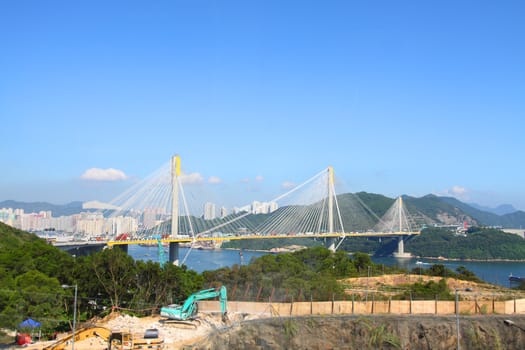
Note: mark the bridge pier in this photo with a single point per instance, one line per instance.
(401, 249)
(174, 253)
(330, 243)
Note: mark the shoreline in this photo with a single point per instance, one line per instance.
(440, 258)
(249, 250)
(277, 250)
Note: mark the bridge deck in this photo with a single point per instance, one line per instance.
(237, 238)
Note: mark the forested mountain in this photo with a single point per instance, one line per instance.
(512, 220)
(360, 211)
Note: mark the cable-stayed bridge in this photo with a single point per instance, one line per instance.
(311, 209)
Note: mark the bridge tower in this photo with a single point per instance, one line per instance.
(331, 241)
(400, 243)
(175, 173)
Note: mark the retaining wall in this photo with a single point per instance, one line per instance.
(437, 307)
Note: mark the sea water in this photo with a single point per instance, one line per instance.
(496, 272)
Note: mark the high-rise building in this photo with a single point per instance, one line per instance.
(209, 211)
(153, 217)
(224, 212)
(257, 207)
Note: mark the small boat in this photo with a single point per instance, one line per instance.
(419, 262)
(516, 278)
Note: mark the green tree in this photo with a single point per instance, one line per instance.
(37, 296)
(180, 282)
(441, 271)
(428, 290)
(465, 274)
(310, 272)
(362, 261)
(115, 272)
(342, 265)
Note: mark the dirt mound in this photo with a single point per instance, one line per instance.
(477, 290)
(371, 332)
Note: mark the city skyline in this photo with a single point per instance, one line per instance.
(400, 98)
(97, 222)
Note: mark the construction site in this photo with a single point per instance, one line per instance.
(262, 330)
(206, 320)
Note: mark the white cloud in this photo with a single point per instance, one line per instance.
(287, 185)
(97, 174)
(214, 180)
(99, 205)
(458, 192)
(191, 179)
(245, 180)
(259, 178)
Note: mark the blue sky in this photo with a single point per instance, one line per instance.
(400, 97)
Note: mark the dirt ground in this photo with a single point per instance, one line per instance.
(175, 336)
(322, 332)
(469, 290)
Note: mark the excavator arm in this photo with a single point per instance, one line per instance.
(80, 335)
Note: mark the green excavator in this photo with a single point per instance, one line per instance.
(187, 312)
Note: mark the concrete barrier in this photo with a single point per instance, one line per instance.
(520, 306)
(304, 308)
(400, 307)
(500, 307)
(381, 307)
(423, 307)
(445, 307)
(343, 307)
(321, 308)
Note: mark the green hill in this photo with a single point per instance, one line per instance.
(479, 244)
(512, 220)
(360, 211)
(21, 252)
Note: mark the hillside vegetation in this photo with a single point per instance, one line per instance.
(478, 243)
(33, 272)
(310, 273)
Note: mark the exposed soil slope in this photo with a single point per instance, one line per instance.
(478, 290)
(380, 332)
